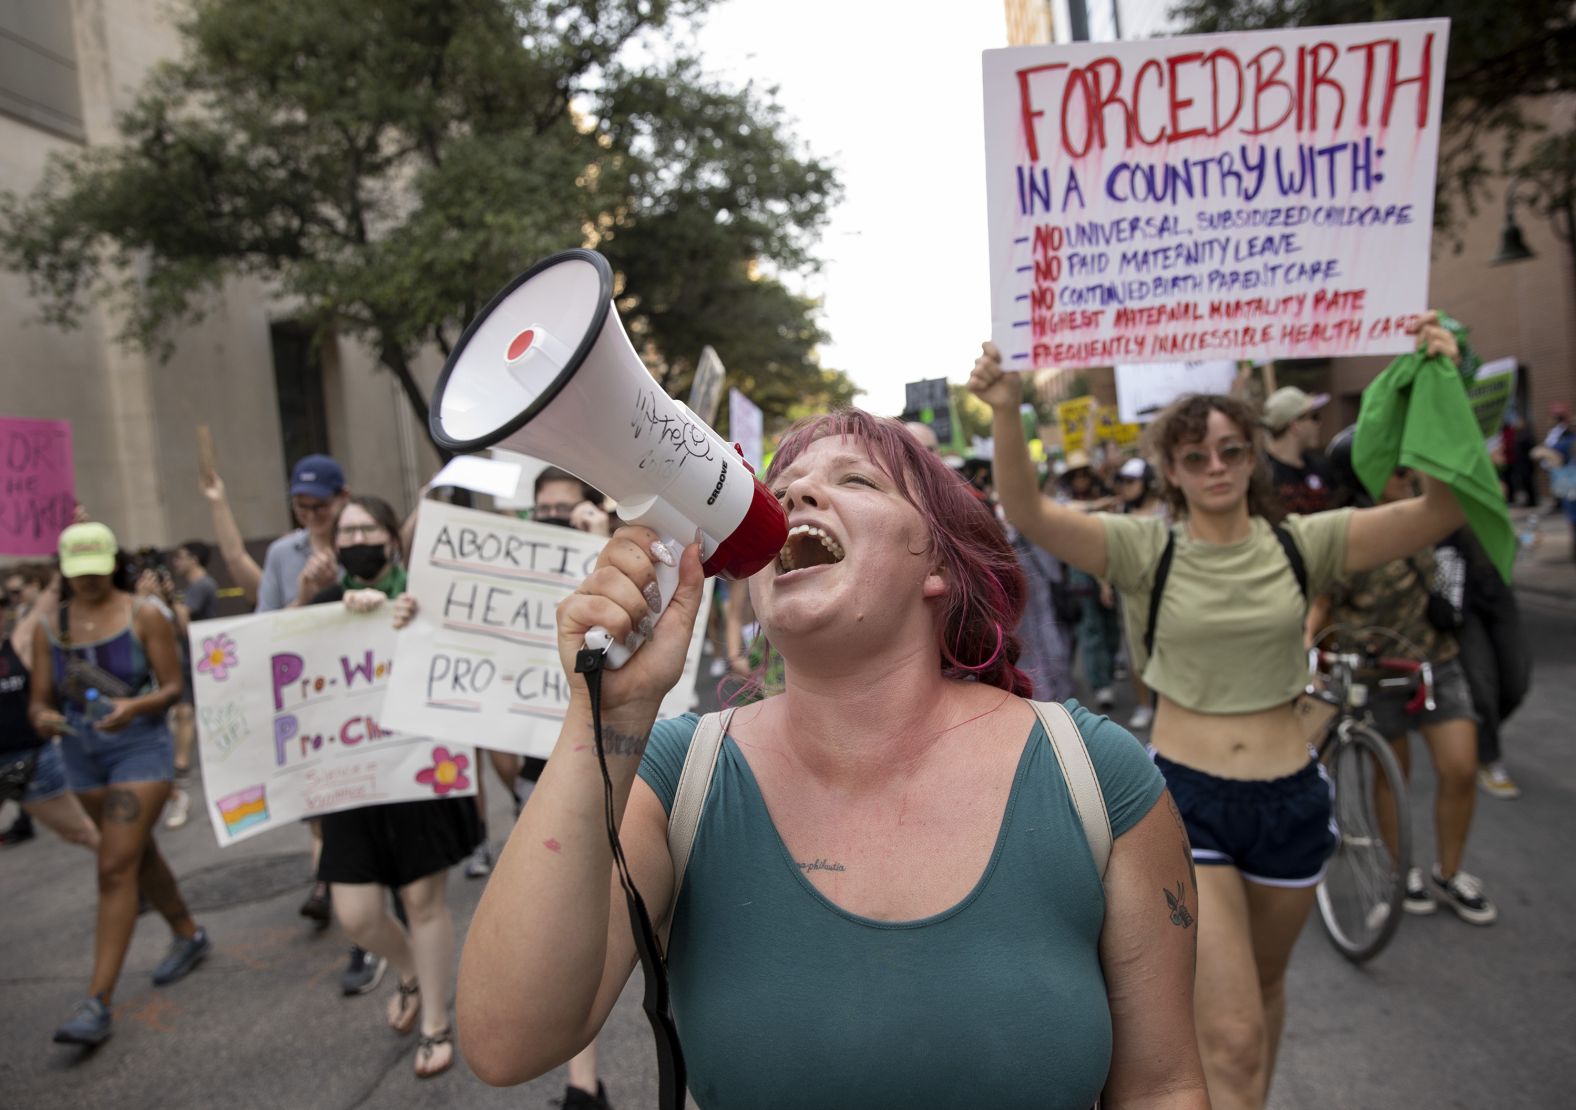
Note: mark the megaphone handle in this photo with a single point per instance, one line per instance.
(615, 654)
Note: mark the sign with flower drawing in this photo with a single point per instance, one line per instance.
(290, 710)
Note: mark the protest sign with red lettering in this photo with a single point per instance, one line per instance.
(37, 485)
(1251, 195)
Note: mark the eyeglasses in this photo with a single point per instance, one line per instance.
(553, 511)
(349, 533)
(1232, 454)
(309, 508)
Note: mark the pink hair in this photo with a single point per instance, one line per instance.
(985, 588)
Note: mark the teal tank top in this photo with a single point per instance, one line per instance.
(783, 1000)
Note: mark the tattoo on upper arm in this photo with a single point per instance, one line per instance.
(1179, 912)
(1187, 849)
(122, 806)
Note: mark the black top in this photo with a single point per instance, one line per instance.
(16, 731)
(1303, 489)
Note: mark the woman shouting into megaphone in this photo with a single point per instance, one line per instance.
(905, 888)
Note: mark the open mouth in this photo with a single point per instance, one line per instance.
(808, 546)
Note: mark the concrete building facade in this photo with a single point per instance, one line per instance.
(66, 70)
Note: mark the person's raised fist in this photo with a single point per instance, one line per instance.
(993, 385)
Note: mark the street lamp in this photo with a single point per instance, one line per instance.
(1512, 247)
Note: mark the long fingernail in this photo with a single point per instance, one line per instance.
(648, 625)
(653, 596)
(660, 552)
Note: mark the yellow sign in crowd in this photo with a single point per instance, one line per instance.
(1084, 425)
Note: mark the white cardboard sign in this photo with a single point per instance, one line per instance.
(1250, 195)
(290, 718)
(479, 664)
(1142, 392)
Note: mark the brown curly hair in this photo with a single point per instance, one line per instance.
(1186, 420)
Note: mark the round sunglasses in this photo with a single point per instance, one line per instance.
(1232, 454)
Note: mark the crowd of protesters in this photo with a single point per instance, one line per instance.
(1197, 570)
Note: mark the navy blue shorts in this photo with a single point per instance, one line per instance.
(1279, 832)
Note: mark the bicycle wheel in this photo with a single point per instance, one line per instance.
(1360, 895)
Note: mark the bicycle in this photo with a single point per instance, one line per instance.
(1365, 881)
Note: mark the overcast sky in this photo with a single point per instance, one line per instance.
(891, 93)
(893, 99)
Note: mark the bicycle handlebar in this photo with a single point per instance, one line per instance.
(1421, 700)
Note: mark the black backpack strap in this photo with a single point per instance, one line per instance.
(1294, 557)
(1162, 572)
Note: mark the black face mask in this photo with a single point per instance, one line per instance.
(561, 522)
(364, 560)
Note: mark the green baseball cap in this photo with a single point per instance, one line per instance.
(87, 549)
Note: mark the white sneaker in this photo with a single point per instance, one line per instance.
(179, 809)
(1418, 900)
(1464, 894)
(1105, 697)
(1142, 718)
(480, 865)
(1496, 782)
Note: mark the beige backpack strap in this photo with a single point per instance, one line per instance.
(700, 763)
(1083, 785)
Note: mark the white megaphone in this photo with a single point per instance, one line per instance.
(547, 369)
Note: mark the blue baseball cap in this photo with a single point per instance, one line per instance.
(317, 476)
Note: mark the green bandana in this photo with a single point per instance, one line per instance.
(391, 583)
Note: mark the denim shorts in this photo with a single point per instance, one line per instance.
(1452, 702)
(143, 751)
(1278, 832)
(49, 775)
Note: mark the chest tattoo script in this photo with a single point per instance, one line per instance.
(819, 865)
(1180, 915)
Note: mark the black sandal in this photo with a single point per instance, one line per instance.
(425, 1045)
(407, 990)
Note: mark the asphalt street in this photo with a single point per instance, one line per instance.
(1449, 1016)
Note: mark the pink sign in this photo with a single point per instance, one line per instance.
(37, 487)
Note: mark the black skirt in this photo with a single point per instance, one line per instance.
(397, 843)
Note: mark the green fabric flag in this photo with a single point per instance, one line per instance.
(391, 583)
(1417, 414)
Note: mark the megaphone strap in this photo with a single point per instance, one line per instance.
(657, 1000)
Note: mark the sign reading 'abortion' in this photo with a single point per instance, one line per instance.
(479, 664)
(1252, 195)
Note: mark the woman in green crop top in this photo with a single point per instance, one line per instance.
(1228, 664)
(890, 901)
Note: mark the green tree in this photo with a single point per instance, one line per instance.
(971, 412)
(1507, 62)
(386, 166)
